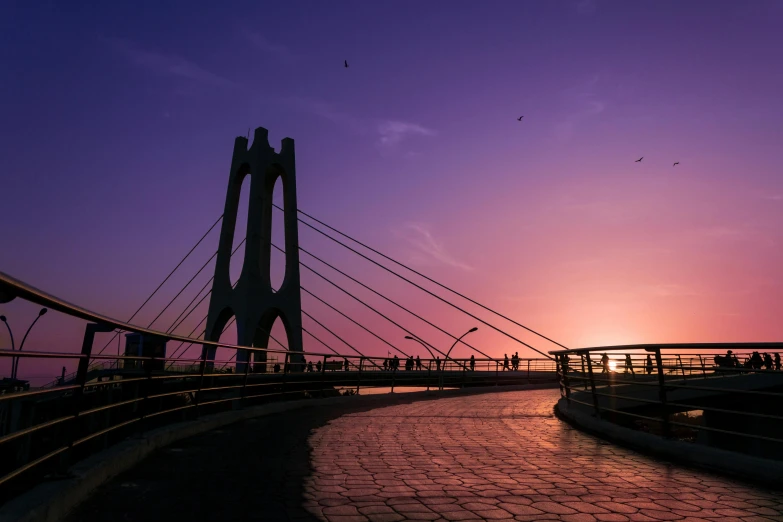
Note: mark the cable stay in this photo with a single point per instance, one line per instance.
(419, 274)
(523, 343)
(164, 281)
(386, 298)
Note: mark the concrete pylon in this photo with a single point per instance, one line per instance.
(253, 302)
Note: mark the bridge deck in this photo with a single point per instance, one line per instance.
(500, 456)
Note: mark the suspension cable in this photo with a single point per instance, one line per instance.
(355, 322)
(349, 345)
(427, 291)
(173, 327)
(164, 281)
(425, 277)
(386, 298)
(311, 334)
(183, 289)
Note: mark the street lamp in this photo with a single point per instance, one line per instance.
(459, 339)
(15, 364)
(421, 343)
(11, 334)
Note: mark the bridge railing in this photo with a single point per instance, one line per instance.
(726, 395)
(112, 397)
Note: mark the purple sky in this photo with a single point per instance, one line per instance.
(118, 123)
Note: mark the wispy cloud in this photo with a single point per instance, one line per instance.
(584, 104)
(392, 132)
(168, 64)
(275, 50)
(774, 197)
(329, 112)
(428, 251)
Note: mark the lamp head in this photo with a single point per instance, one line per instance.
(42, 312)
(2, 318)
(409, 337)
(473, 329)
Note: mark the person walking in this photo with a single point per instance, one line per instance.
(605, 363)
(628, 364)
(472, 363)
(649, 364)
(418, 363)
(777, 361)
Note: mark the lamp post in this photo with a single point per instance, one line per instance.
(443, 368)
(423, 344)
(11, 334)
(459, 339)
(15, 363)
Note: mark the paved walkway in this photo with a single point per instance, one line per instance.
(498, 456)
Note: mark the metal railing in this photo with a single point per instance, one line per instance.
(112, 397)
(726, 400)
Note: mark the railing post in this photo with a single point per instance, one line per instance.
(564, 365)
(145, 401)
(394, 373)
(286, 364)
(359, 381)
(528, 371)
(497, 372)
(682, 368)
(323, 375)
(244, 381)
(429, 374)
(202, 370)
(71, 433)
(592, 383)
(662, 393)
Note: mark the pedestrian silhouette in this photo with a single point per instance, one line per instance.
(418, 363)
(605, 363)
(472, 363)
(628, 364)
(318, 366)
(777, 361)
(505, 362)
(437, 363)
(649, 364)
(767, 361)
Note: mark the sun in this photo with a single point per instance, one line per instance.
(612, 365)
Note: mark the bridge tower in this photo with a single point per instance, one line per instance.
(253, 302)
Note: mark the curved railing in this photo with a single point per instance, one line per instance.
(725, 395)
(110, 397)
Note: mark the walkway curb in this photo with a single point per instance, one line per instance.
(51, 501)
(753, 469)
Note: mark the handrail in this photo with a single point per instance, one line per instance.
(669, 346)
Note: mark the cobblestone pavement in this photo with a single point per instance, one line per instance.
(504, 456)
(492, 456)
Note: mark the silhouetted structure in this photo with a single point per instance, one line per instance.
(253, 302)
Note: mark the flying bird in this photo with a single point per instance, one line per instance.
(639, 160)
(346, 64)
(676, 163)
(520, 118)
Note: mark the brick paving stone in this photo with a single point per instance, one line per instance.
(477, 457)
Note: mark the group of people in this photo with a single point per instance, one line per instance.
(514, 362)
(756, 361)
